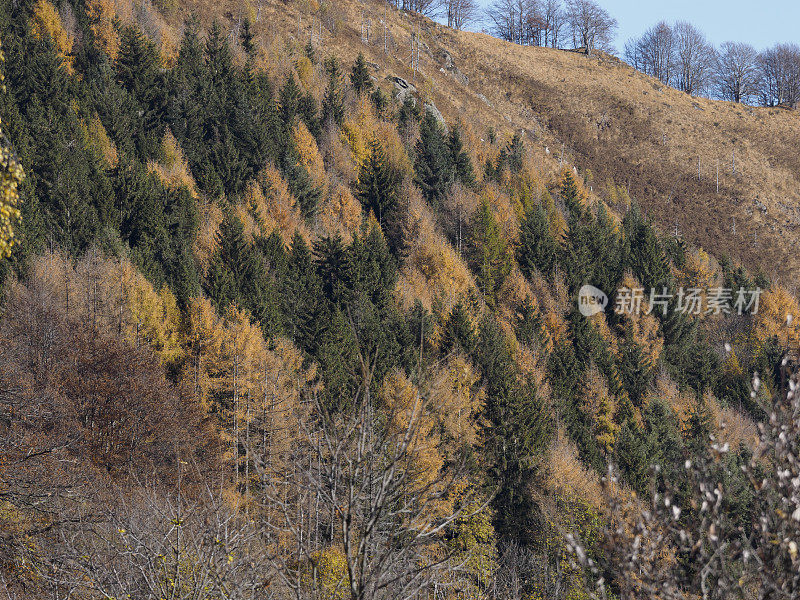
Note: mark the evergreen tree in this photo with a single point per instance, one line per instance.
(516, 154)
(333, 102)
(462, 165)
(632, 457)
(488, 253)
(433, 166)
(515, 434)
(289, 101)
(635, 369)
(528, 324)
(360, 78)
(378, 188)
(247, 38)
(537, 250)
(570, 193)
(137, 64)
(458, 333)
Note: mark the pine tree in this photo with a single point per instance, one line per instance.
(137, 64)
(462, 164)
(378, 188)
(433, 166)
(516, 154)
(528, 324)
(632, 457)
(488, 253)
(635, 369)
(516, 431)
(360, 78)
(458, 333)
(571, 194)
(537, 250)
(289, 101)
(646, 257)
(11, 176)
(247, 38)
(333, 102)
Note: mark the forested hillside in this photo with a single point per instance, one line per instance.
(274, 327)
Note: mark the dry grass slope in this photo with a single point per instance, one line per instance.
(608, 119)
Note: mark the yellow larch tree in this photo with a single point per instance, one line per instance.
(11, 176)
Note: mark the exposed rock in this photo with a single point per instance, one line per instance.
(485, 99)
(431, 108)
(402, 88)
(448, 67)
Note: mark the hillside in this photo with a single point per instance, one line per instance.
(289, 310)
(621, 125)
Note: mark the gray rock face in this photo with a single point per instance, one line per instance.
(431, 108)
(449, 67)
(402, 88)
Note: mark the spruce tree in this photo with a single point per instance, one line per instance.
(635, 369)
(333, 102)
(516, 154)
(462, 165)
(137, 63)
(537, 250)
(458, 333)
(433, 165)
(360, 78)
(378, 189)
(488, 253)
(570, 194)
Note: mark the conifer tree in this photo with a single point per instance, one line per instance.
(433, 165)
(462, 165)
(528, 324)
(137, 64)
(635, 369)
(289, 101)
(515, 154)
(632, 457)
(516, 432)
(333, 102)
(378, 188)
(570, 194)
(458, 333)
(11, 176)
(488, 253)
(360, 78)
(537, 250)
(247, 38)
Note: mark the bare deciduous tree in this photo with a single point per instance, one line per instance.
(694, 59)
(737, 74)
(779, 69)
(460, 13)
(654, 52)
(591, 25)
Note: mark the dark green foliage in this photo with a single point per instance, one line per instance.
(645, 255)
(462, 165)
(515, 154)
(635, 369)
(378, 188)
(632, 457)
(700, 367)
(359, 77)
(516, 432)
(458, 334)
(247, 38)
(537, 250)
(433, 164)
(488, 253)
(333, 102)
(528, 324)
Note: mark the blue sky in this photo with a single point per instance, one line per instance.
(759, 23)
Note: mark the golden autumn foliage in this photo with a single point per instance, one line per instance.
(46, 21)
(601, 407)
(339, 213)
(433, 271)
(113, 296)
(11, 176)
(310, 157)
(172, 168)
(205, 243)
(275, 207)
(101, 144)
(457, 399)
(779, 316)
(102, 15)
(407, 412)
(645, 327)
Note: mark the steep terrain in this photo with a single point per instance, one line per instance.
(626, 128)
